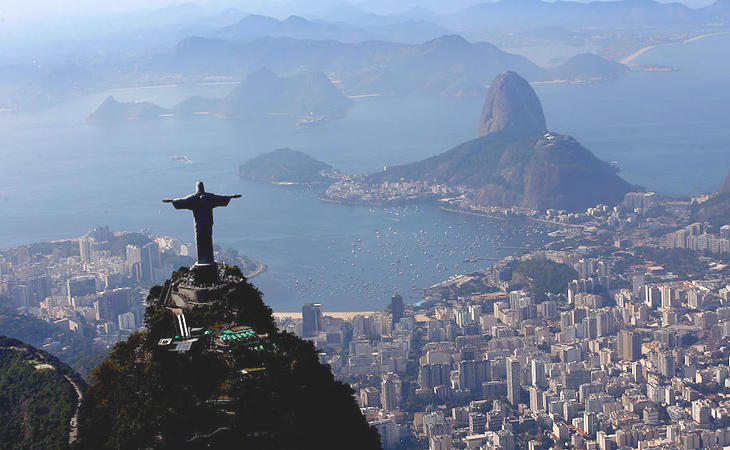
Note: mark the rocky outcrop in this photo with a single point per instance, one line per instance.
(112, 110)
(725, 189)
(716, 210)
(512, 105)
(517, 162)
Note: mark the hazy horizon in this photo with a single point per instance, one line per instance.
(42, 9)
(440, 205)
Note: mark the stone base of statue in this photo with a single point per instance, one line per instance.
(204, 274)
(200, 287)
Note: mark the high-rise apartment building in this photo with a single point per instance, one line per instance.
(396, 310)
(311, 319)
(513, 381)
(150, 258)
(86, 246)
(390, 392)
(629, 345)
(537, 372)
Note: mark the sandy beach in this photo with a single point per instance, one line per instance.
(636, 54)
(260, 268)
(336, 315)
(174, 85)
(702, 36)
(641, 51)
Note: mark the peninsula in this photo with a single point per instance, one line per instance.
(516, 163)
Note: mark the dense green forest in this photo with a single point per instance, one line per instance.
(36, 400)
(546, 276)
(682, 262)
(73, 349)
(146, 396)
(285, 165)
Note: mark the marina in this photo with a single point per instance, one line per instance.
(424, 246)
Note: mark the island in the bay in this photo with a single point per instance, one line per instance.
(310, 98)
(285, 166)
(515, 164)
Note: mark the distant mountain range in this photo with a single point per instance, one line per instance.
(256, 26)
(458, 15)
(367, 50)
(302, 96)
(447, 66)
(520, 15)
(517, 162)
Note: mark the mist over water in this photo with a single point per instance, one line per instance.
(666, 130)
(61, 176)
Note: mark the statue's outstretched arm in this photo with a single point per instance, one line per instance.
(182, 203)
(235, 196)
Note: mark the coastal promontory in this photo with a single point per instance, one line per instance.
(516, 162)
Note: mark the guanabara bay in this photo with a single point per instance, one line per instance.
(364, 224)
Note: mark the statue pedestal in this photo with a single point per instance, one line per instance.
(204, 273)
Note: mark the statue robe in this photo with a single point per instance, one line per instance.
(202, 205)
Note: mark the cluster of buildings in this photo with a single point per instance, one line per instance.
(94, 285)
(625, 355)
(647, 369)
(698, 237)
(628, 355)
(356, 190)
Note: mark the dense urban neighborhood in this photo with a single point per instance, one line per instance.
(614, 334)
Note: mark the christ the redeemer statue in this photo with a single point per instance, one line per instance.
(202, 204)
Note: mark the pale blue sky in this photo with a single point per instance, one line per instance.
(12, 10)
(35, 8)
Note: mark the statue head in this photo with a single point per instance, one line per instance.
(199, 187)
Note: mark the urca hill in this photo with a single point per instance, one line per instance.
(516, 161)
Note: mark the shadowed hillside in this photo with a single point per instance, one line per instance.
(268, 391)
(37, 397)
(516, 162)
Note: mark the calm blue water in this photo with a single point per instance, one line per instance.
(669, 131)
(61, 176)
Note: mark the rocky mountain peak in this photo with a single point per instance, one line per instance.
(725, 189)
(512, 105)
